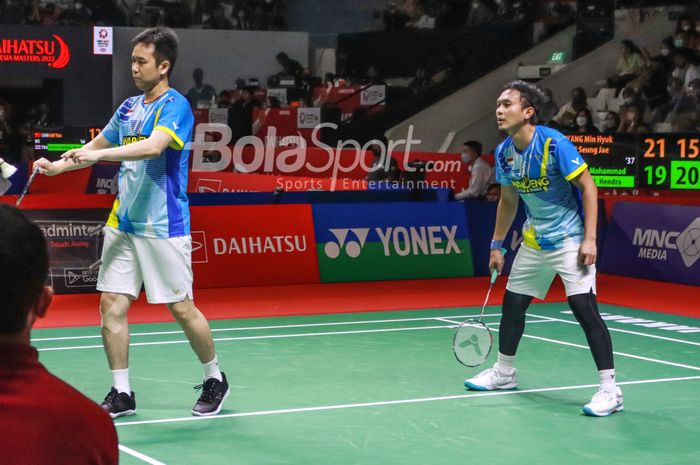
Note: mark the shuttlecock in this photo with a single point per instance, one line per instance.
(6, 169)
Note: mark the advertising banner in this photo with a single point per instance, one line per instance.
(380, 241)
(74, 239)
(103, 178)
(253, 245)
(654, 241)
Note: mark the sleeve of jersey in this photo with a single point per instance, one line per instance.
(500, 176)
(570, 162)
(111, 131)
(176, 119)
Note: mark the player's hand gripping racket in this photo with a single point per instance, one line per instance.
(26, 187)
(473, 340)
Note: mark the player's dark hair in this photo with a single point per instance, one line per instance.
(474, 145)
(24, 266)
(530, 96)
(165, 42)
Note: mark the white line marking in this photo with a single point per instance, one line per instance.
(580, 346)
(139, 455)
(247, 338)
(392, 402)
(636, 333)
(251, 328)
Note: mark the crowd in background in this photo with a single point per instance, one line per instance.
(651, 91)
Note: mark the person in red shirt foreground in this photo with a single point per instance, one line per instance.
(43, 420)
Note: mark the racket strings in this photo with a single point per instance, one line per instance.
(472, 343)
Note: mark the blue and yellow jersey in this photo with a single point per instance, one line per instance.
(541, 175)
(152, 199)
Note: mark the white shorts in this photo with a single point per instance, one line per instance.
(164, 266)
(533, 271)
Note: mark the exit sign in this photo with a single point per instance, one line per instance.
(558, 57)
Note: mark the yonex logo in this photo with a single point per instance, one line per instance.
(353, 247)
(175, 126)
(399, 240)
(199, 247)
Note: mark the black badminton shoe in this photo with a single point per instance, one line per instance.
(119, 404)
(214, 393)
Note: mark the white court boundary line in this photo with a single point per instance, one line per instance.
(581, 346)
(393, 402)
(251, 328)
(268, 336)
(617, 330)
(139, 455)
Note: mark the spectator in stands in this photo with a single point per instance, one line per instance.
(289, 66)
(240, 115)
(675, 91)
(686, 66)
(6, 130)
(689, 104)
(481, 173)
(521, 10)
(684, 23)
(420, 82)
(630, 65)
(32, 13)
(479, 14)
(43, 420)
(493, 193)
(384, 166)
(503, 8)
(79, 15)
(612, 123)
(630, 96)
(377, 22)
(394, 19)
(42, 117)
(633, 121)
(422, 19)
(372, 76)
(200, 92)
(240, 20)
(584, 122)
(567, 113)
(695, 38)
(448, 67)
(550, 108)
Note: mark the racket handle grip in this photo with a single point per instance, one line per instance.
(494, 273)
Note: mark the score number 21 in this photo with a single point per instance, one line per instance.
(689, 148)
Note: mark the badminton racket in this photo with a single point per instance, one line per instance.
(26, 187)
(473, 340)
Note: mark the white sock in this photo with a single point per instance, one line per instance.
(607, 380)
(211, 369)
(505, 363)
(121, 380)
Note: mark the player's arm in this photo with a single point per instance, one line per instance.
(65, 164)
(505, 215)
(589, 193)
(145, 149)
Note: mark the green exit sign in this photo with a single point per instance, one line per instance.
(558, 57)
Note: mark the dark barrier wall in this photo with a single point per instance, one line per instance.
(31, 54)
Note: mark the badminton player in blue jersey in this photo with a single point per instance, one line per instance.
(147, 236)
(541, 166)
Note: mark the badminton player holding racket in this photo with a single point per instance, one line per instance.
(147, 237)
(541, 166)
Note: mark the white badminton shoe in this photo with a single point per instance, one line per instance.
(492, 379)
(604, 403)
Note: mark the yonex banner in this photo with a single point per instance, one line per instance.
(654, 241)
(378, 241)
(253, 245)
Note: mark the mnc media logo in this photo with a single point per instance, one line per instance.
(654, 244)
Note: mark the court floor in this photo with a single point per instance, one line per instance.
(384, 388)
